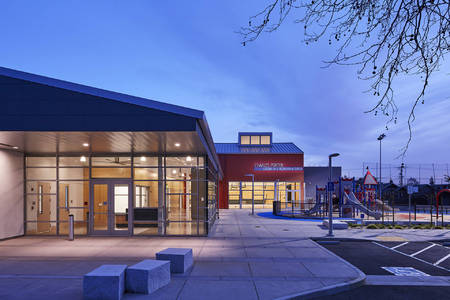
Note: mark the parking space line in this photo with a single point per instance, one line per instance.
(424, 261)
(442, 259)
(423, 250)
(400, 245)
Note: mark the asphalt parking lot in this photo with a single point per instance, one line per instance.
(374, 258)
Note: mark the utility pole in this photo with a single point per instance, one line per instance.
(402, 166)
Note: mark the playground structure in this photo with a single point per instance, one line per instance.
(359, 200)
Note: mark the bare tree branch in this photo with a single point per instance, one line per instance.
(385, 38)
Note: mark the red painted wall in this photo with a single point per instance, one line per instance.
(235, 166)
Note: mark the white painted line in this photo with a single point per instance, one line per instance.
(400, 245)
(399, 252)
(442, 259)
(424, 249)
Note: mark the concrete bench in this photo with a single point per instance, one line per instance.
(180, 258)
(147, 276)
(106, 282)
(337, 224)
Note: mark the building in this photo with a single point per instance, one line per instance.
(121, 165)
(257, 168)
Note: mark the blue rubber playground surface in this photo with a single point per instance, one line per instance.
(270, 215)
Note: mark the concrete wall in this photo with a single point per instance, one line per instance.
(11, 194)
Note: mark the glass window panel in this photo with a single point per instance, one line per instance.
(73, 161)
(245, 140)
(79, 228)
(180, 174)
(180, 187)
(187, 160)
(73, 194)
(111, 161)
(32, 187)
(111, 172)
(265, 140)
(79, 214)
(254, 140)
(41, 161)
(41, 228)
(41, 207)
(181, 228)
(74, 173)
(144, 161)
(41, 173)
(178, 207)
(146, 173)
(146, 194)
(201, 161)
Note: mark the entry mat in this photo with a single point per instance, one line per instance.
(404, 271)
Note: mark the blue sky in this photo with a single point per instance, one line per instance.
(188, 53)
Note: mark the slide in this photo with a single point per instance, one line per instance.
(352, 200)
(315, 208)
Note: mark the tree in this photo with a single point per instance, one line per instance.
(384, 38)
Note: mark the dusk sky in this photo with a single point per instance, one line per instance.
(187, 53)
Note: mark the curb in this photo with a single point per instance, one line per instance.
(331, 289)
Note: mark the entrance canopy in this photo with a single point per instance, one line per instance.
(45, 115)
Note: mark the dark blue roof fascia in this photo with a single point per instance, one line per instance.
(193, 113)
(275, 148)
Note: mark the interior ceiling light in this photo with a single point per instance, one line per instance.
(177, 144)
(154, 175)
(83, 158)
(15, 147)
(188, 158)
(143, 158)
(85, 145)
(174, 171)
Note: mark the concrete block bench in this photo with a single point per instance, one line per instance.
(180, 258)
(106, 282)
(337, 224)
(147, 276)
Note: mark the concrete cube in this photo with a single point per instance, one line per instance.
(147, 276)
(106, 282)
(180, 258)
(337, 224)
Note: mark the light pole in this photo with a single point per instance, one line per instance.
(382, 136)
(253, 192)
(330, 201)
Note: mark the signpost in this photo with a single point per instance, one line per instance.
(411, 190)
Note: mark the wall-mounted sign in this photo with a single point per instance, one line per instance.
(275, 167)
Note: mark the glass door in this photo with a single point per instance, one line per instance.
(110, 202)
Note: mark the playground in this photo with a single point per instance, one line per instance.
(359, 201)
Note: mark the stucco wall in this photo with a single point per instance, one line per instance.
(11, 194)
(235, 166)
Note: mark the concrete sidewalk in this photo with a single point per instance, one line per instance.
(246, 257)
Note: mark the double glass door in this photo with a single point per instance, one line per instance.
(110, 203)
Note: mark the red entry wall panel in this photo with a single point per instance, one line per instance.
(235, 166)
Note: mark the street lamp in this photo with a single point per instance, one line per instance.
(382, 136)
(330, 201)
(253, 192)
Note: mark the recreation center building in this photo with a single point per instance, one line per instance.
(124, 165)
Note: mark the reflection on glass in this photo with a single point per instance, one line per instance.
(120, 206)
(145, 219)
(72, 161)
(100, 206)
(111, 161)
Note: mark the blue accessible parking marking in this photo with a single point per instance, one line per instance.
(404, 271)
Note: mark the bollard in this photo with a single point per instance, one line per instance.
(70, 227)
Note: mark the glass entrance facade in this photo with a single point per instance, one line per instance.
(240, 193)
(121, 194)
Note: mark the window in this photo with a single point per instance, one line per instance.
(265, 140)
(254, 140)
(245, 140)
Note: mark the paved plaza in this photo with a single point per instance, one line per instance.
(245, 257)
